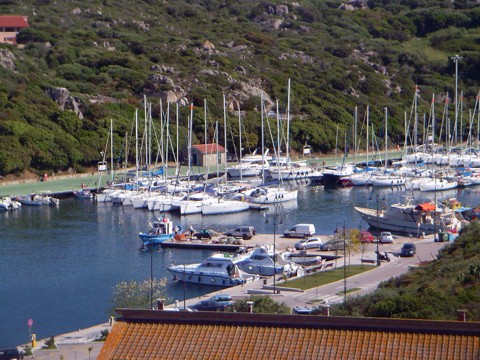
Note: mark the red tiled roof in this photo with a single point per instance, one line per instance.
(13, 22)
(182, 335)
(209, 148)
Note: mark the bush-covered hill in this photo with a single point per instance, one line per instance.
(433, 291)
(83, 63)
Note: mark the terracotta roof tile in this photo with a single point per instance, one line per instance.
(209, 148)
(233, 336)
(13, 22)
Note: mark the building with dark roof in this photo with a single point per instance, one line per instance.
(160, 334)
(10, 26)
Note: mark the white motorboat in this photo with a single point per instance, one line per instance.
(250, 165)
(264, 262)
(292, 171)
(332, 175)
(7, 203)
(411, 218)
(219, 270)
(38, 200)
(265, 195)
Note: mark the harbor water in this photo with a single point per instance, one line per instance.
(59, 265)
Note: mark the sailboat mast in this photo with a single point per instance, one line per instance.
(288, 122)
(355, 135)
(136, 146)
(368, 130)
(111, 150)
(262, 108)
(386, 138)
(225, 132)
(240, 140)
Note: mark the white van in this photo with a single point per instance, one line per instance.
(300, 230)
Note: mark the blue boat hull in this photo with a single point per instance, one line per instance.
(149, 239)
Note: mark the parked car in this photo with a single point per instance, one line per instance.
(244, 232)
(11, 353)
(222, 298)
(366, 237)
(309, 243)
(300, 230)
(203, 234)
(333, 244)
(209, 305)
(408, 249)
(386, 237)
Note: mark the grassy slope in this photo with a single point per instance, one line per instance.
(334, 58)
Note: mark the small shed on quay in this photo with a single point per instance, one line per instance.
(207, 155)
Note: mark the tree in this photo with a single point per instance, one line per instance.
(262, 305)
(137, 294)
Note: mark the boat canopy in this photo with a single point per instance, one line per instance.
(426, 207)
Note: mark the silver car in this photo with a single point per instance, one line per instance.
(309, 243)
(386, 237)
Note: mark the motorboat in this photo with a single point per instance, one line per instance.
(264, 261)
(412, 218)
(250, 165)
(266, 195)
(332, 175)
(161, 230)
(7, 203)
(38, 200)
(220, 269)
(83, 193)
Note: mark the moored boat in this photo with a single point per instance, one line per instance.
(412, 218)
(161, 230)
(219, 270)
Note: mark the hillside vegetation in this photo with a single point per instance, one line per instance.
(82, 64)
(433, 291)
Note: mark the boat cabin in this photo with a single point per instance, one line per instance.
(161, 226)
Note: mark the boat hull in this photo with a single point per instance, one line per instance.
(205, 278)
(398, 225)
(226, 207)
(149, 239)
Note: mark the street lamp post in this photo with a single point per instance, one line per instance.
(378, 226)
(344, 259)
(274, 220)
(151, 277)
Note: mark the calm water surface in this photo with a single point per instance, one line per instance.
(59, 266)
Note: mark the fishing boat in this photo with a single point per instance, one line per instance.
(161, 230)
(219, 269)
(412, 218)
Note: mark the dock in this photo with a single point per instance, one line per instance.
(201, 245)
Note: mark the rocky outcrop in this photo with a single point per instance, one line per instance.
(65, 100)
(7, 60)
(353, 5)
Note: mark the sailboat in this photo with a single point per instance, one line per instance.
(386, 179)
(225, 204)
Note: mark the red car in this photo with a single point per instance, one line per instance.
(366, 237)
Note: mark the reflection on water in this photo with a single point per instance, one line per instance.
(59, 265)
